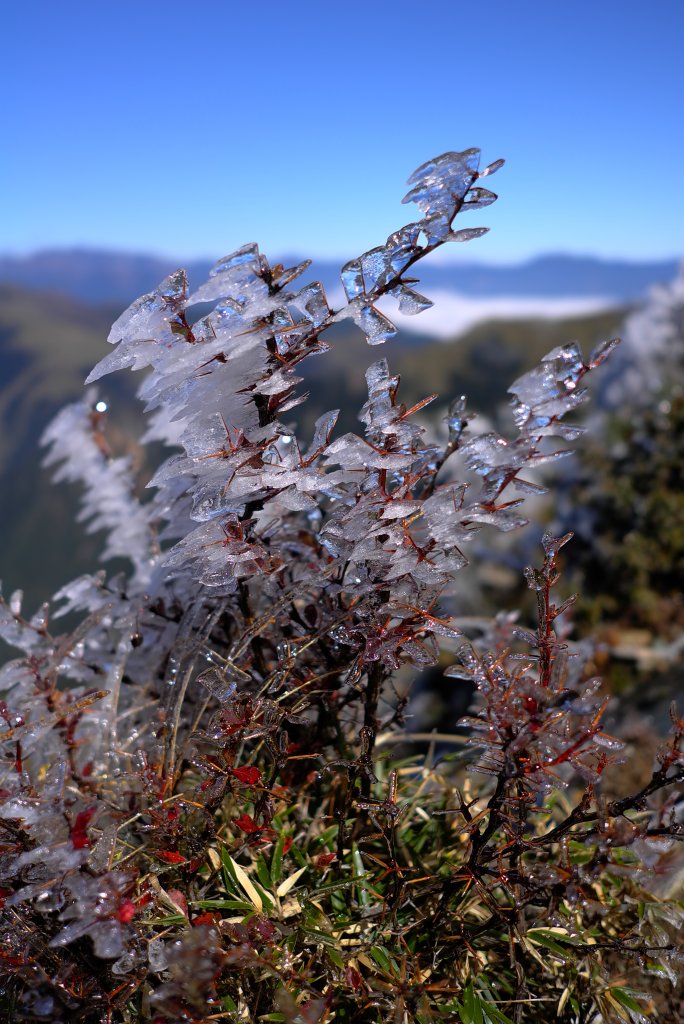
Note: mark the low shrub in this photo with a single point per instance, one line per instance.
(203, 815)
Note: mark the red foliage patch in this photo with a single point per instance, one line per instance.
(211, 917)
(247, 824)
(79, 835)
(170, 856)
(126, 912)
(248, 775)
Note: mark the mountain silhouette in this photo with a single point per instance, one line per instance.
(96, 276)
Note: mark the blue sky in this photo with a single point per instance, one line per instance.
(189, 129)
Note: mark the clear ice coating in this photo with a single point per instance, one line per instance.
(227, 507)
(410, 301)
(251, 546)
(456, 419)
(372, 322)
(440, 184)
(233, 277)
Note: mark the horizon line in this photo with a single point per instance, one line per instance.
(445, 261)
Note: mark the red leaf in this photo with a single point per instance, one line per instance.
(126, 912)
(79, 836)
(248, 776)
(179, 898)
(211, 917)
(287, 844)
(324, 859)
(260, 928)
(353, 978)
(170, 856)
(247, 824)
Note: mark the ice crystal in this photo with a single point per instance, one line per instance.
(76, 441)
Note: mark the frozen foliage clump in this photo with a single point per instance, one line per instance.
(221, 708)
(626, 500)
(652, 353)
(77, 442)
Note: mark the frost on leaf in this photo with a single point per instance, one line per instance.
(439, 184)
(410, 301)
(152, 322)
(77, 441)
(441, 188)
(549, 391)
(372, 322)
(234, 277)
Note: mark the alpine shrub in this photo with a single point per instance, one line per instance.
(200, 817)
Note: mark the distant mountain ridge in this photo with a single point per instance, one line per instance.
(99, 276)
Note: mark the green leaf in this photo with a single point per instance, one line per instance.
(495, 1014)
(277, 860)
(381, 958)
(169, 919)
(325, 940)
(222, 905)
(322, 890)
(465, 1016)
(550, 944)
(336, 958)
(472, 1005)
(623, 997)
(263, 874)
(326, 838)
(579, 854)
(556, 940)
(338, 904)
(297, 856)
(229, 878)
(266, 896)
(359, 872)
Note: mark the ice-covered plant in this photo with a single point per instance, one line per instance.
(198, 818)
(629, 481)
(652, 353)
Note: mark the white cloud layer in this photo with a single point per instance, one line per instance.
(453, 314)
